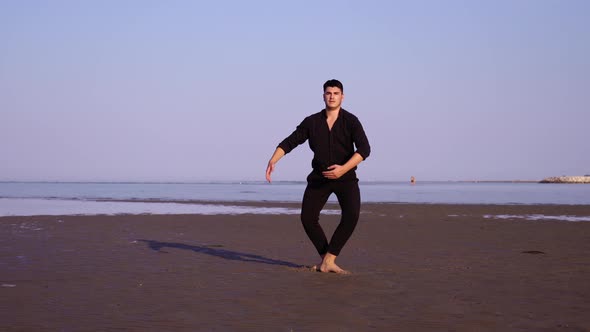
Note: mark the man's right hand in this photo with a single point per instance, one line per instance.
(276, 156)
(269, 169)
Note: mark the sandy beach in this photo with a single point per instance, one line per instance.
(415, 267)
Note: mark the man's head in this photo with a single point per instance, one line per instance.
(334, 84)
(333, 94)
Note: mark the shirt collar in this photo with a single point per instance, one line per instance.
(326, 116)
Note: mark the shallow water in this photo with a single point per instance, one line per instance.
(422, 192)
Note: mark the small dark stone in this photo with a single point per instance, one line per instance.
(534, 252)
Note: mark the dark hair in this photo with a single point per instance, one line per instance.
(333, 84)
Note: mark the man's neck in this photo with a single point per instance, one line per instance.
(332, 112)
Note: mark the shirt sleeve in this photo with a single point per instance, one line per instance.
(360, 139)
(298, 137)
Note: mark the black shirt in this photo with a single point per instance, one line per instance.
(330, 147)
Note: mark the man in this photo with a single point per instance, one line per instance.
(333, 134)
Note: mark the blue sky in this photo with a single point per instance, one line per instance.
(193, 91)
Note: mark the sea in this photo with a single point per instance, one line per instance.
(64, 198)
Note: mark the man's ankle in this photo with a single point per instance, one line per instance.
(329, 258)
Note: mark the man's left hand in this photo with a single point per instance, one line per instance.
(334, 172)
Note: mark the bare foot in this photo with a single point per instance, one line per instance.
(316, 267)
(327, 267)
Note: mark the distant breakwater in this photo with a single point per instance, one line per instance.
(567, 179)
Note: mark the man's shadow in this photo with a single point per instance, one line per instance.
(217, 252)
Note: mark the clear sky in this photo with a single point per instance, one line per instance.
(205, 90)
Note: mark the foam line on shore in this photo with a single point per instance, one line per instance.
(537, 217)
(35, 207)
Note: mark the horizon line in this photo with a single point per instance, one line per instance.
(254, 181)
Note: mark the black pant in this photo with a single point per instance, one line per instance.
(315, 197)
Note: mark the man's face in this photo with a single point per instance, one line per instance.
(333, 97)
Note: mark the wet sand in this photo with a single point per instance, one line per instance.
(415, 267)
